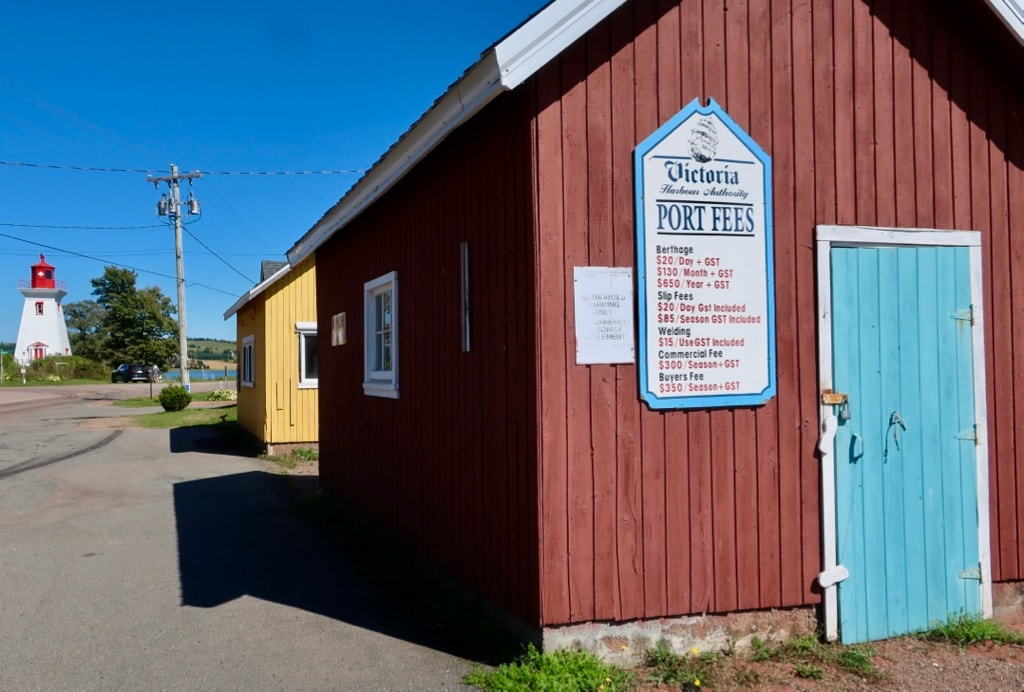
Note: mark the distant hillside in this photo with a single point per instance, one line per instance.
(212, 349)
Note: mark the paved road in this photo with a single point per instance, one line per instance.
(153, 560)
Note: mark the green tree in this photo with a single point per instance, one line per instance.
(85, 329)
(138, 324)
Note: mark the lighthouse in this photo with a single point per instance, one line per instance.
(43, 331)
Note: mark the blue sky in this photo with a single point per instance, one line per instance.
(228, 87)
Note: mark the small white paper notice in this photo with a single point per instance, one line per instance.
(604, 315)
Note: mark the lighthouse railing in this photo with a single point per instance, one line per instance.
(59, 285)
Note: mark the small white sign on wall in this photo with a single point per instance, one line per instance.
(604, 315)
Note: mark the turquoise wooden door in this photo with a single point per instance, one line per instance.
(906, 485)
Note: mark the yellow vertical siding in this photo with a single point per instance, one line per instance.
(292, 413)
(252, 401)
(275, 409)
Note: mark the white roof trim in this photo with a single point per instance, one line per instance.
(256, 290)
(505, 66)
(523, 52)
(1012, 14)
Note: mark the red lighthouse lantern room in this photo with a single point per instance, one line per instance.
(42, 274)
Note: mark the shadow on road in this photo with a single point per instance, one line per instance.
(219, 438)
(276, 538)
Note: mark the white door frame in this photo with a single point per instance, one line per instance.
(828, 237)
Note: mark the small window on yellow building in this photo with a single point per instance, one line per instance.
(248, 361)
(308, 378)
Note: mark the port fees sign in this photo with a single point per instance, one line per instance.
(705, 269)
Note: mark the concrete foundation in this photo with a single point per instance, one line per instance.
(1008, 603)
(625, 643)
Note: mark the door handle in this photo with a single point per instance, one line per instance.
(854, 439)
(896, 422)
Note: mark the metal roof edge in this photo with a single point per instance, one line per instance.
(1011, 12)
(256, 290)
(505, 66)
(546, 35)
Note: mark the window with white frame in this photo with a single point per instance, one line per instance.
(381, 336)
(248, 361)
(308, 378)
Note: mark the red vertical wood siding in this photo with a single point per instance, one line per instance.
(881, 113)
(549, 487)
(448, 467)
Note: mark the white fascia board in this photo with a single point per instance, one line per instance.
(505, 66)
(546, 35)
(256, 290)
(1012, 14)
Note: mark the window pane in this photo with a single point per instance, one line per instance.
(380, 301)
(378, 352)
(378, 312)
(386, 309)
(386, 357)
(309, 347)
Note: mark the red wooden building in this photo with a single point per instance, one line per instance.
(453, 411)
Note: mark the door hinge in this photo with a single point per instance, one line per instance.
(966, 315)
(971, 573)
(970, 434)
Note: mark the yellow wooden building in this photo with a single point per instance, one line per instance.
(277, 356)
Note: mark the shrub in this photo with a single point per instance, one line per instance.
(223, 395)
(306, 455)
(558, 671)
(175, 398)
(56, 369)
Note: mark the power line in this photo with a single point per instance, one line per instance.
(350, 171)
(99, 169)
(226, 263)
(116, 264)
(72, 168)
(82, 228)
(213, 188)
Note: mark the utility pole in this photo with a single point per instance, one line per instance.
(171, 206)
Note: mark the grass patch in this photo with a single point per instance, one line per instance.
(806, 657)
(808, 671)
(189, 417)
(12, 381)
(665, 667)
(965, 630)
(145, 401)
(558, 671)
(292, 459)
(747, 677)
(136, 402)
(811, 658)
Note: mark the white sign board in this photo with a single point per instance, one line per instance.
(705, 264)
(604, 314)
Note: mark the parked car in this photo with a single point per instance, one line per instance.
(132, 372)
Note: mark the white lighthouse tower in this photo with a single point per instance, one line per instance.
(43, 331)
